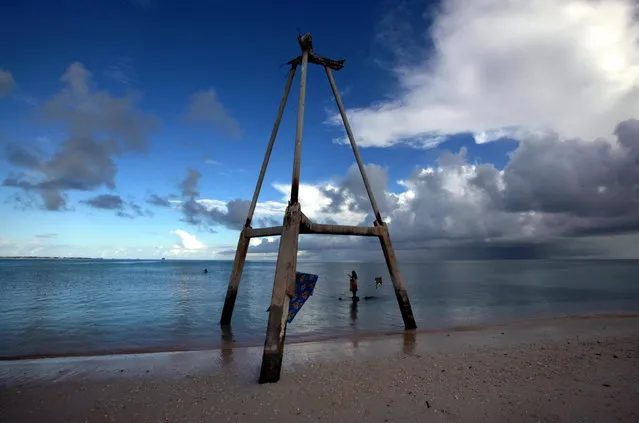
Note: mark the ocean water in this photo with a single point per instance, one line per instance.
(57, 307)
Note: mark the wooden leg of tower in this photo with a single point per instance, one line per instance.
(243, 243)
(396, 277)
(284, 281)
(234, 281)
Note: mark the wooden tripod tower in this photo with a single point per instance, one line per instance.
(296, 223)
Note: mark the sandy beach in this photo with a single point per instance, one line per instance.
(549, 370)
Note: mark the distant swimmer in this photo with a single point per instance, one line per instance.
(206, 271)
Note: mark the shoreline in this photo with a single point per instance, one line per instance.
(360, 336)
(580, 368)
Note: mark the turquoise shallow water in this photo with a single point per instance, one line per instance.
(103, 306)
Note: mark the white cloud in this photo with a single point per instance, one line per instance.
(314, 202)
(501, 68)
(188, 244)
(313, 199)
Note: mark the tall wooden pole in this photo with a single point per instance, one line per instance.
(285, 269)
(243, 242)
(287, 255)
(295, 183)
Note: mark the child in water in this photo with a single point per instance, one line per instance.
(354, 284)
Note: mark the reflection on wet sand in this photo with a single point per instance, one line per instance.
(354, 323)
(226, 349)
(353, 313)
(410, 340)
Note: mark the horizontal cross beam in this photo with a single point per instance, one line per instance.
(262, 232)
(308, 227)
(324, 229)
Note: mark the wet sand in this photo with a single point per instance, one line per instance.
(570, 369)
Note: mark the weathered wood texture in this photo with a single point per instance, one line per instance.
(234, 281)
(271, 142)
(285, 269)
(319, 60)
(262, 232)
(308, 227)
(305, 41)
(396, 278)
(316, 228)
(297, 157)
(351, 138)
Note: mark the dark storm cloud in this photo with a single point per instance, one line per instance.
(235, 215)
(202, 213)
(99, 128)
(551, 189)
(581, 187)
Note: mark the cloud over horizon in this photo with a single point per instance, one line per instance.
(549, 192)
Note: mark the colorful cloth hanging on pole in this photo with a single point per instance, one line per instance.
(304, 286)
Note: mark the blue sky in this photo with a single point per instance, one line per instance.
(407, 111)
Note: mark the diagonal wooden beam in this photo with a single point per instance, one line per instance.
(243, 242)
(234, 281)
(398, 282)
(271, 142)
(351, 138)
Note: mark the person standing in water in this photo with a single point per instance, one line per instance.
(353, 289)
